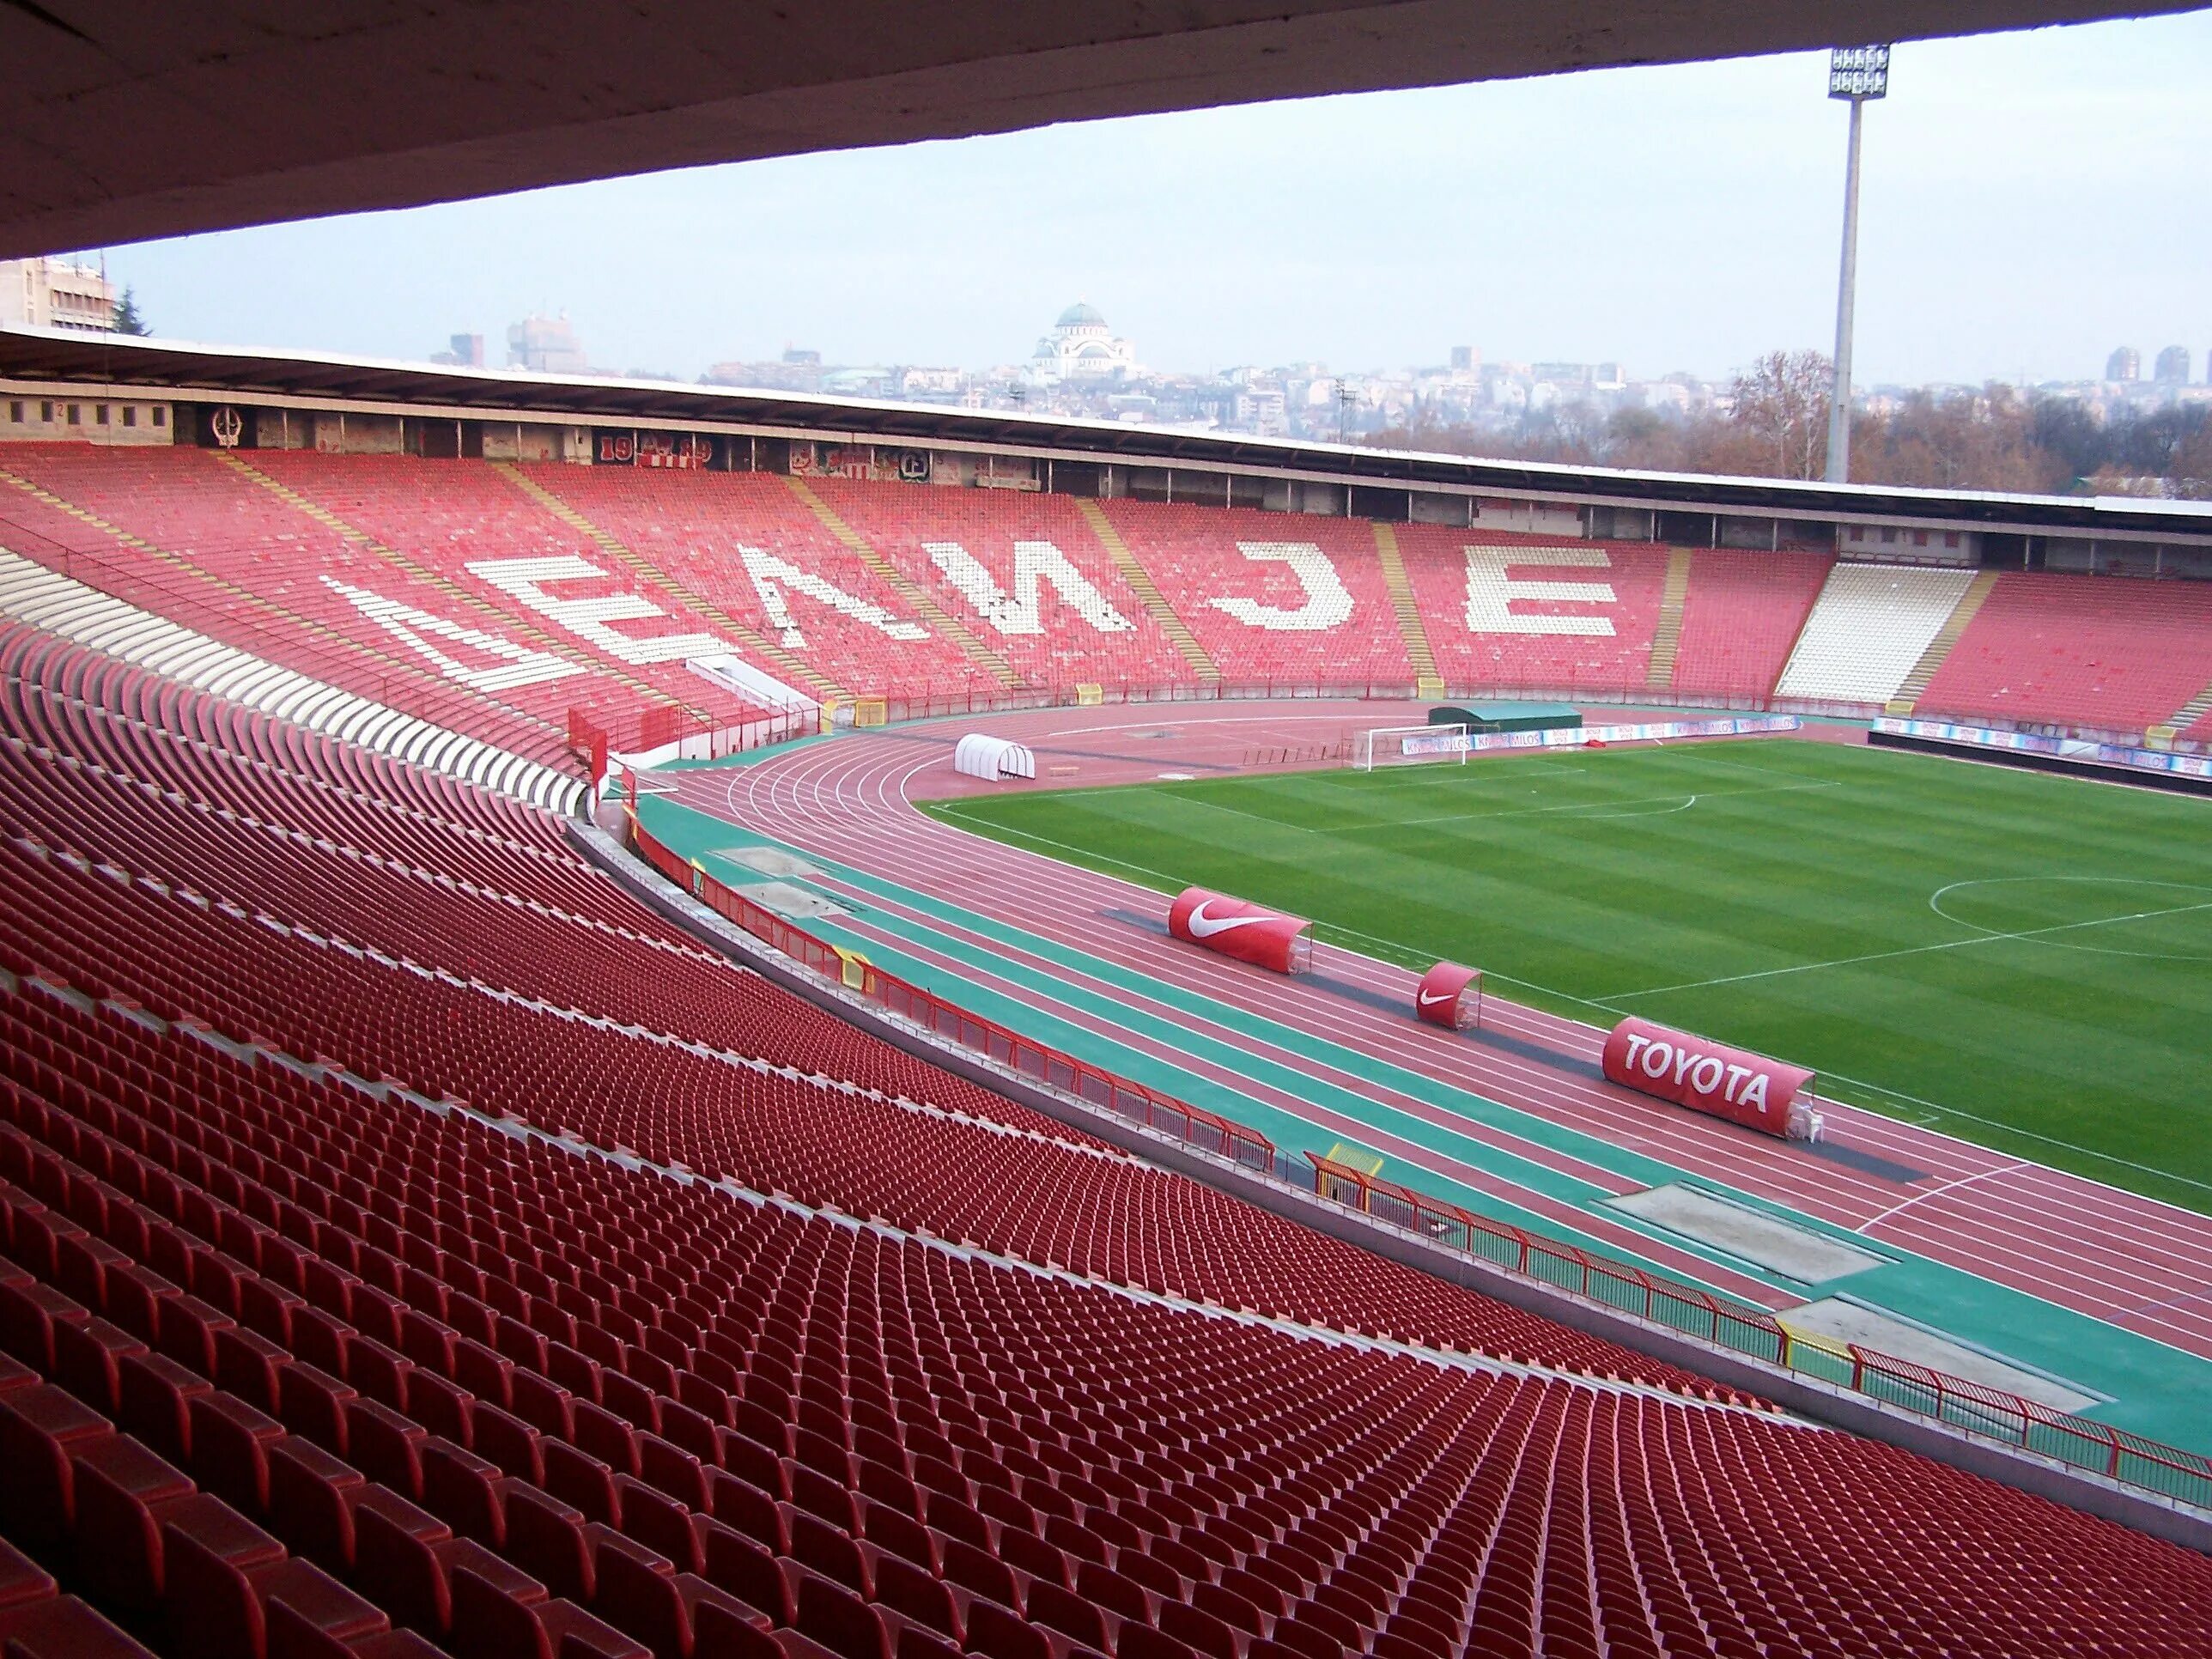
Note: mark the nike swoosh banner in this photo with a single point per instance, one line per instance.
(1704, 1075)
(1449, 995)
(1238, 927)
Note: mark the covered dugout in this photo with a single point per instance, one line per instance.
(1238, 927)
(1482, 717)
(976, 756)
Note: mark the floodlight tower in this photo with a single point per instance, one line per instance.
(1857, 74)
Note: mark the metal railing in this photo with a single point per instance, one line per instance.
(1735, 1327)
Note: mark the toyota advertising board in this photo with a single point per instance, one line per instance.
(1710, 1077)
(1238, 927)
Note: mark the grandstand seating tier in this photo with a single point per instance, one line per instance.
(1113, 641)
(252, 548)
(361, 1294)
(1868, 631)
(2114, 652)
(1528, 613)
(1743, 612)
(857, 632)
(1271, 598)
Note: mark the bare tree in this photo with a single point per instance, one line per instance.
(1782, 399)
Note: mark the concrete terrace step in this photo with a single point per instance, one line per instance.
(1428, 682)
(1667, 637)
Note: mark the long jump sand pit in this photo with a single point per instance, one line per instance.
(1839, 1320)
(1797, 1252)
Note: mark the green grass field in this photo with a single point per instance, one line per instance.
(2019, 959)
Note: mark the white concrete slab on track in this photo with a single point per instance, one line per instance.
(1783, 1247)
(768, 860)
(1841, 1319)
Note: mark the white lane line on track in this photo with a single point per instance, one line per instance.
(2050, 1278)
(1937, 1191)
(1408, 1149)
(1912, 950)
(835, 803)
(1046, 841)
(1876, 1126)
(2049, 1140)
(2089, 1285)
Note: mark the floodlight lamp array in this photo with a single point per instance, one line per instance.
(1857, 72)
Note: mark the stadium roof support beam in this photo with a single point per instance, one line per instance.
(130, 120)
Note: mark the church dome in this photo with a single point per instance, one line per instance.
(1081, 315)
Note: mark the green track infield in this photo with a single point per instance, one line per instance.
(2018, 959)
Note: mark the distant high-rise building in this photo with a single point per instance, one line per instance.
(462, 351)
(56, 293)
(1466, 358)
(2173, 367)
(2124, 364)
(546, 345)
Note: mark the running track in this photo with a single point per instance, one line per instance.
(2139, 1264)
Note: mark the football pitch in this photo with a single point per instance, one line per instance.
(2021, 960)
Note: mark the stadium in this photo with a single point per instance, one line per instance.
(649, 1020)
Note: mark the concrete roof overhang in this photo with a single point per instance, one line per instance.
(130, 120)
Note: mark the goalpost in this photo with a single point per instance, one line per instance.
(1409, 745)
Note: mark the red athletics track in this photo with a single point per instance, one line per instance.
(2141, 1264)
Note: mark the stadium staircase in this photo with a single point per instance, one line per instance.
(1869, 626)
(2192, 714)
(1427, 682)
(1148, 593)
(918, 598)
(1915, 684)
(620, 551)
(1667, 637)
(412, 1245)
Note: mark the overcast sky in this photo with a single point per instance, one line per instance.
(2030, 202)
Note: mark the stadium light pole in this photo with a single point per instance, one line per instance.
(1855, 74)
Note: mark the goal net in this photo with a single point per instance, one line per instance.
(1408, 746)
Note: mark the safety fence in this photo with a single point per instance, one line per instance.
(1751, 1331)
(1738, 1328)
(1052, 1067)
(653, 734)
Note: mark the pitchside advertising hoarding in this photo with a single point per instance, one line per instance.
(1456, 743)
(1712, 1078)
(2031, 742)
(1236, 927)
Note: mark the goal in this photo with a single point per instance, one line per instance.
(1408, 746)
